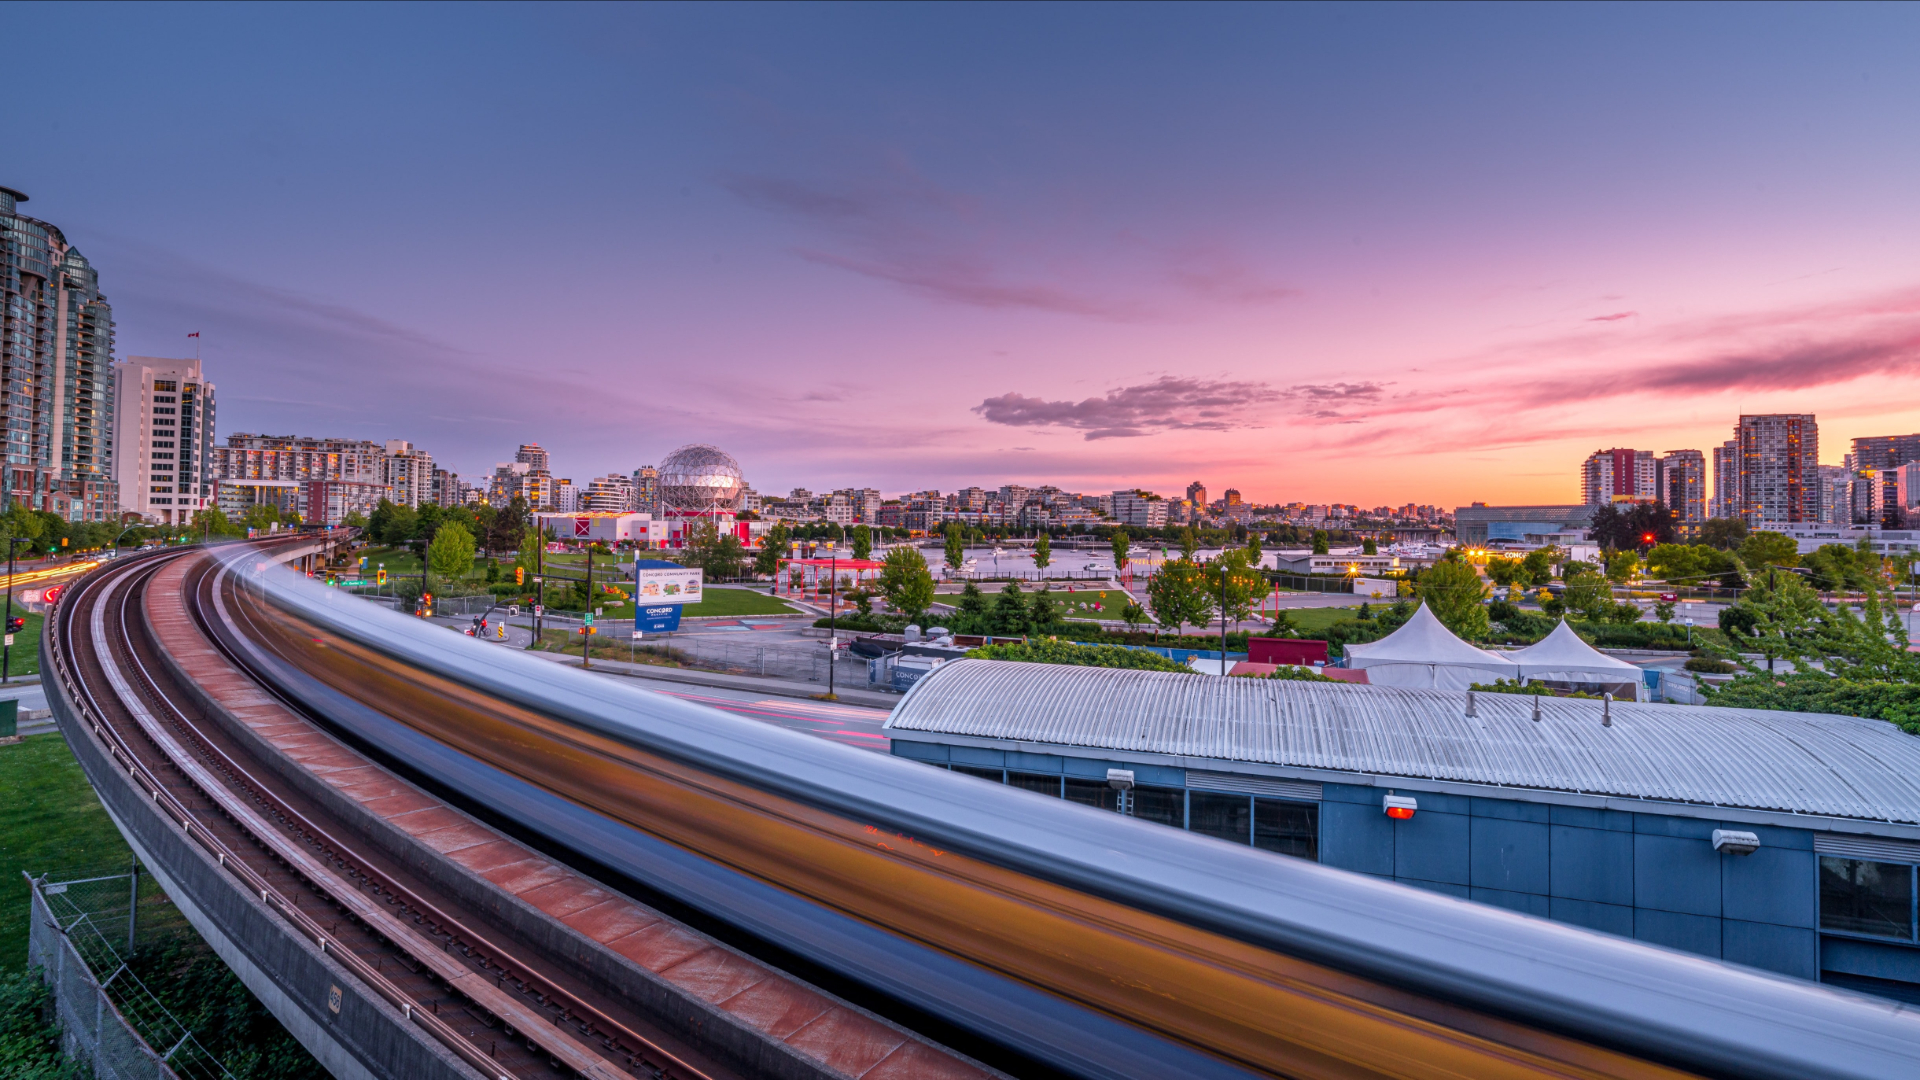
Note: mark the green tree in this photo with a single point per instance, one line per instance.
(1230, 576)
(1369, 547)
(1779, 617)
(971, 611)
(1588, 593)
(906, 582)
(1133, 615)
(1537, 568)
(1663, 610)
(450, 556)
(1676, 564)
(1503, 570)
(1839, 568)
(1042, 612)
(1452, 590)
(1319, 541)
(1177, 595)
(862, 542)
(261, 516)
(1043, 550)
(1621, 566)
(354, 520)
(1769, 549)
(1723, 533)
(956, 547)
(1061, 652)
(211, 523)
(1189, 543)
(1122, 547)
(1254, 554)
(1009, 614)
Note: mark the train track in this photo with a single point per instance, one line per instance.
(494, 1002)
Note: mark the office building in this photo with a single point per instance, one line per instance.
(165, 459)
(1481, 524)
(1779, 468)
(1610, 476)
(407, 472)
(1682, 486)
(1140, 509)
(1197, 493)
(1836, 495)
(57, 373)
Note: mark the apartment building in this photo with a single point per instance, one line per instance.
(1140, 509)
(1881, 456)
(166, 466)
(1779, 459)
(1726, 480)
(646, 490)
(56, 373)
(1610, 476)
(612, 493)
(1683, 487)
(407, 471)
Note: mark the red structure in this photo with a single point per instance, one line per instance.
(1296, 651)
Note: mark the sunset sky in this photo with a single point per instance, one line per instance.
(1367, 253)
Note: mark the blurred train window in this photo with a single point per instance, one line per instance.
(1289, 828)
(1093, 793)
(1040, 782)
(1164, 806)
(1861, 897)
(1229, 817)
(995, 775)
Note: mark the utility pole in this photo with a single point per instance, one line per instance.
(833, 617)
(6, 650)
(1222, 563)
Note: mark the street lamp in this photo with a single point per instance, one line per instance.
(6, 650)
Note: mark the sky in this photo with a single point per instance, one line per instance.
(1368, 253)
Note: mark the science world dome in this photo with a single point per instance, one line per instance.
(698, 477)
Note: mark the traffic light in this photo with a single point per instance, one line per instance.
(16, 624)
(380, 578)
(519, 575)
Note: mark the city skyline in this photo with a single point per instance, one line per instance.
(1371, 255)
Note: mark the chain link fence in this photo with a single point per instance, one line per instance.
(84, 933)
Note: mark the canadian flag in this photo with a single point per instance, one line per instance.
(196, 333)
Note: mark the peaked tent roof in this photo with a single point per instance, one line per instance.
(1565, 651)
(1424, 640)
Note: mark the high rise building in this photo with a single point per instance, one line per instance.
(1726, 480)
(1882, 455)
(164, 425)
(1139, 508)
(646, 490)
(408, 471)
(56, 373)
(446, 488)
(1610, 476)
(1233, 497)
(1836, 495)
(534, 457)
(610, 494)
(1779, 460)
(1682, 487)
(1197, 493)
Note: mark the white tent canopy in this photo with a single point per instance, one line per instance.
(1424, 654)
(1562, 657)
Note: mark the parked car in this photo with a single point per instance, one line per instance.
(1670, 597)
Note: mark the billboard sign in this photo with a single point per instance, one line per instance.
(665, 583)
(656, 620)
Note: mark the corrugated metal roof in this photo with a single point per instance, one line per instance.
(1806, 763)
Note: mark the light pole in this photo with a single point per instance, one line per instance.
(833, 616)
(6, 650)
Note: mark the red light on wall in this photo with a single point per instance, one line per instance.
(1400, 807)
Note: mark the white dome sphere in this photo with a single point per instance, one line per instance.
(699, 477)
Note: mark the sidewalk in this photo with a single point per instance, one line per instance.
(796, 688)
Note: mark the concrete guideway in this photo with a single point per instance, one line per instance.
(528, 954)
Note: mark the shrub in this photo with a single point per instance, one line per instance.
(1292, 673)
(1706, 665)
(1050, 651)
(1512, 686)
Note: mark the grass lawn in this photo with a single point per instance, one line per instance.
(1078, 604)
(738, 602)
(54, 822)
(24, 658)
(1317, 620)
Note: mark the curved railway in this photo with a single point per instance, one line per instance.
(1074, 941)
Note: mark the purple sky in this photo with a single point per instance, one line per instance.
(1374, 253)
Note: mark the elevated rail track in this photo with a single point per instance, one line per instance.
(1059, 940)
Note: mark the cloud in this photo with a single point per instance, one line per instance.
(898, 227)
(1169, 403)
(1615, 317)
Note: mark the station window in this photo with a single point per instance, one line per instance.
(1164, 806)
(1289, 828)
(1040, 783)
(1228, 817)
(1093, 793)
(1862, 897)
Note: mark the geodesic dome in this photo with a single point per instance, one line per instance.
(699, 477)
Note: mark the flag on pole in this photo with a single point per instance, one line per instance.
(196, 333)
